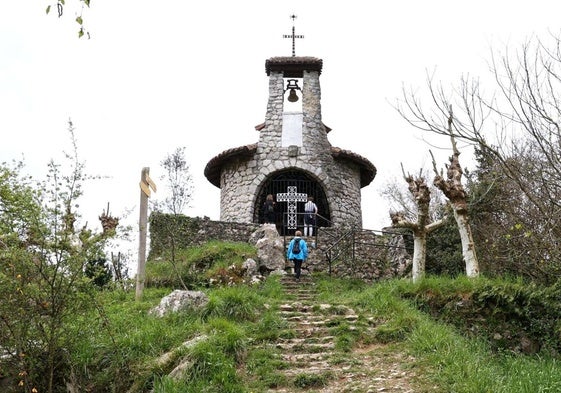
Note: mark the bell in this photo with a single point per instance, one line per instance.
(292, 96)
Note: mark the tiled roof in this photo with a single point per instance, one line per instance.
(293, 67)
(213, 168)
(367, 169)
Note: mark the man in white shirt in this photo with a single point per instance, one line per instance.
(310, 210)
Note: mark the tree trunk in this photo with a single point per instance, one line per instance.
(421, 194)
(419, 255)
(468, 246)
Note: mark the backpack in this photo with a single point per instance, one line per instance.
(296, 247)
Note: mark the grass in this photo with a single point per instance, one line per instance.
(233, 320)
(119, 349)
(452, 361)
(213, 257)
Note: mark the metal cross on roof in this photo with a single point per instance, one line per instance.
(293, 36)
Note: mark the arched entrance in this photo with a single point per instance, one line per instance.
(278, 183)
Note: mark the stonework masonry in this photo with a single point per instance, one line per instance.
(242, 177)
(361, 254)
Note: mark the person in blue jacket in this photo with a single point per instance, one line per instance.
(297, 256)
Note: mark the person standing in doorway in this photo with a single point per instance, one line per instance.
(310, 213)
(269, 210)
(297, 253)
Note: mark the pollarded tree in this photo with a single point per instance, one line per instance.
(452, 187)
(423, 224)
(518, 127)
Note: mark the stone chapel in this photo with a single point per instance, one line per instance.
(292, 159)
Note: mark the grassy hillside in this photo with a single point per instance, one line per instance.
(457, 335)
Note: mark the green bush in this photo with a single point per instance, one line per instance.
(512, 315)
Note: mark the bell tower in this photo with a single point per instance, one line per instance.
(293, 156)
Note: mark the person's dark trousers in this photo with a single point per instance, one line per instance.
(297, 267)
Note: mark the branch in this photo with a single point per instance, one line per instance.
(436, 224)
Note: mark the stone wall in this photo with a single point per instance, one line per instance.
(361, 254)
(193, 231)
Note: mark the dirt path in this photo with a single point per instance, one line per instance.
(317, 360)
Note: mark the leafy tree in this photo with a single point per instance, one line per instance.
(42, 282)
(444, 250)
(507, 228)
(98, 271)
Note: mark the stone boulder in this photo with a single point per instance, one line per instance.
(180, 300)
(249, 267)
(270, 248)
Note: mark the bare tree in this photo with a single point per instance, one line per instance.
(178, 181)
(454, 190)
(518, 126)
(179, 184)
(420, 192)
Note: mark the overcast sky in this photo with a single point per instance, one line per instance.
(155, 76)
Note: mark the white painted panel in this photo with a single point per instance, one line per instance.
(292, 129)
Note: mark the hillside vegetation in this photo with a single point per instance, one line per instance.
(460, 335)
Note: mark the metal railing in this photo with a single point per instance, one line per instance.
(341, 244)
(344, 246)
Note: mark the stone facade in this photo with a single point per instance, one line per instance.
(243, 173)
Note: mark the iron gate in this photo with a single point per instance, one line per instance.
(278, 183)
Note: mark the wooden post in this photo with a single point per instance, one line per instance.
(145, 184)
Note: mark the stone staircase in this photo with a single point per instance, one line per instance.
(313, 361)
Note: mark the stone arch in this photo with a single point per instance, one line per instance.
(305, 182)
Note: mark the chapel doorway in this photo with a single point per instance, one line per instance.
(279, 183)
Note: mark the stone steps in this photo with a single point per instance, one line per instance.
(312, 351)
(307, 357)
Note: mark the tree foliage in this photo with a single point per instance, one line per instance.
(42, 282)
(444, 250)
(60, 6)
(507, 226)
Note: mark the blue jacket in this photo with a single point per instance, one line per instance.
(303, 249)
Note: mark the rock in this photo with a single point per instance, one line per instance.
(249, 267)
(264, 231)
(278, 272)
(529, 346)
(270, 248)
(180, 300)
